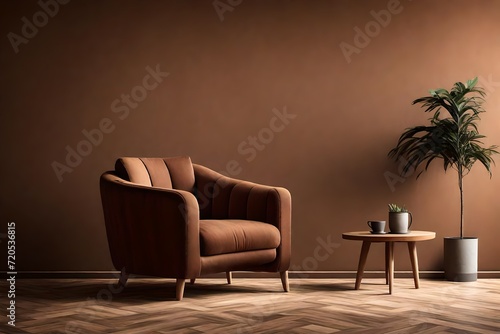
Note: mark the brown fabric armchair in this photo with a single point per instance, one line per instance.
(174, 219)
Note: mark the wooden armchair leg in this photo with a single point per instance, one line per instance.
(122, 281)
(284, 281)
(179, 288)
(229, 277)
(192, 280)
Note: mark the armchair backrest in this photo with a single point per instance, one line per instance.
(170, 173)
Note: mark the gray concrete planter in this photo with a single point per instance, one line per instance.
(460, 259)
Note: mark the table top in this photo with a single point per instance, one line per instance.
(410, 236)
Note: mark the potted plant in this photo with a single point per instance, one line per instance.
(456, 140)
(400, 219)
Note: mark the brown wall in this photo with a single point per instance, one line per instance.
(225, 78)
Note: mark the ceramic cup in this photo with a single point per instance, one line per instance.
(377, 226)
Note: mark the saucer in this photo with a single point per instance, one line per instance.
(398, 233)
(378, 232)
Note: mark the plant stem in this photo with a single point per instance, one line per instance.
(460, 175)
(460, 185)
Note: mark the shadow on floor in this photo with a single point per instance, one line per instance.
(137, 290)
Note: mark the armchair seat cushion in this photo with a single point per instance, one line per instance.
(236, 235)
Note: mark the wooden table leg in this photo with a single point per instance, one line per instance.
(391, 265)
(412, 248)
(386, 263)
(362, 261)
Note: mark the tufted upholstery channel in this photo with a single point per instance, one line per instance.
(170, 173)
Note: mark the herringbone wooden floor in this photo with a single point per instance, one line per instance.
(254, 306)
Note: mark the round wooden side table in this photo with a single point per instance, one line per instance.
(389, 239)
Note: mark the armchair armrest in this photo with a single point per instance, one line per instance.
(151, 231)
(222, 197)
